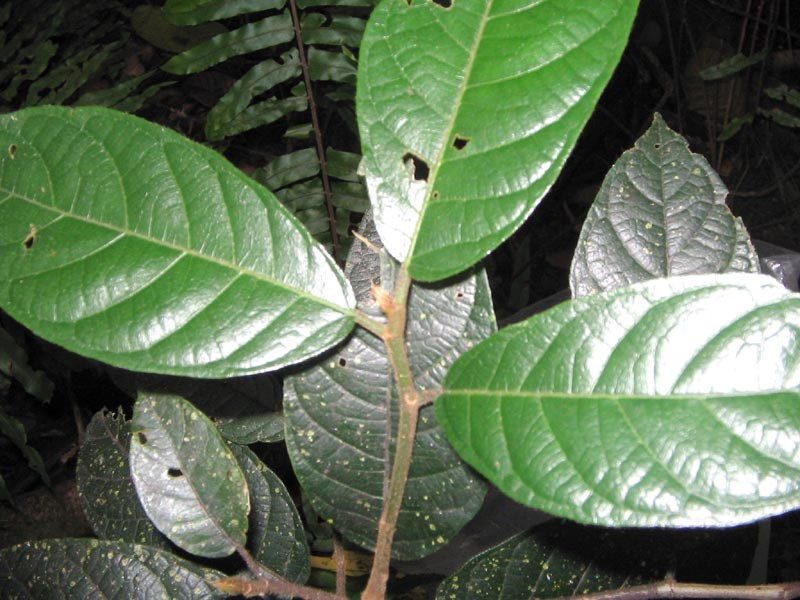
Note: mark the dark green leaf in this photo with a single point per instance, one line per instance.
(330, 66)
(781, 117)
(262, 113)
(785, 93)
(188, 481)
(660, 211)
(467, 114)
(106, 491)
(563, 559)
(84, 569)
(336, 414)
(14, 363)
(337, 30)
(288, 169)
(276, 536)
(671, 402)
(731, 66)
(150, 25)
(260, 78)
(190, 12)
(265, 33)
(211, 276)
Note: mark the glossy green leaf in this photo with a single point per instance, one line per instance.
(330, 66)
(265, 33)
(125, 242)
(491, 97)
(672, 402)
(85, 569)
(336, 418)
(14, 364)
(191, 12)
(188, 481)
(107, 495)
(337, 30)
(660, 211)
(276, 537)
(563, 559)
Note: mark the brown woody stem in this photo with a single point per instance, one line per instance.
(394, 337)
(673, 589)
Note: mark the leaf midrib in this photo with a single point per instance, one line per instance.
(181, 249)
(447, 132)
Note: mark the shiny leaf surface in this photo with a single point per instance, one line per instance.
(85, 569)
(672, 402)
(336, 418)
(468, 112)
(187, 479)
(107, 495)
(191, 12)
(660, 211)
(125, 242)
(276, 536)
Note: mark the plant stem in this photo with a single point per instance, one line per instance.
(267, 582)
(673, 589)
(394, 306)
(376, 328)
(249, 588)
(312, 108)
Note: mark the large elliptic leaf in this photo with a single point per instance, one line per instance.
(123, 241)
(336, 418)
(107, 495)
(188, 481)
(491, 96)
(276, 536)
(672, 402)
(86, 569)
(660, 211)
(563, 559)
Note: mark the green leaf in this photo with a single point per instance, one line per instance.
(125, 242)
(338, 30)
(260, 78)
(468, 113)
(191, 12)
(780, 116)
(11, 428)
(276, 536)
(330, 66)
(731, 66)
(150, 25)
(563, 559)
(783, 92)
(288, 169)
(84, 569)
(660, 211)
(188, 481)
(671, 402)
(265, 33)
(14, 364)
(336, 418)
(106, 491)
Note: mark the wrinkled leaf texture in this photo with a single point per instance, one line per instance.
(107, 495)
(123, 241)
(564, 559)
(660, 212)
(491, 96)
(336, 417)
(84, 569)
(672, 402)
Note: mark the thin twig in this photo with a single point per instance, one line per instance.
(312, 108)
(674, 589)
(250, 588)
(375, 327)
